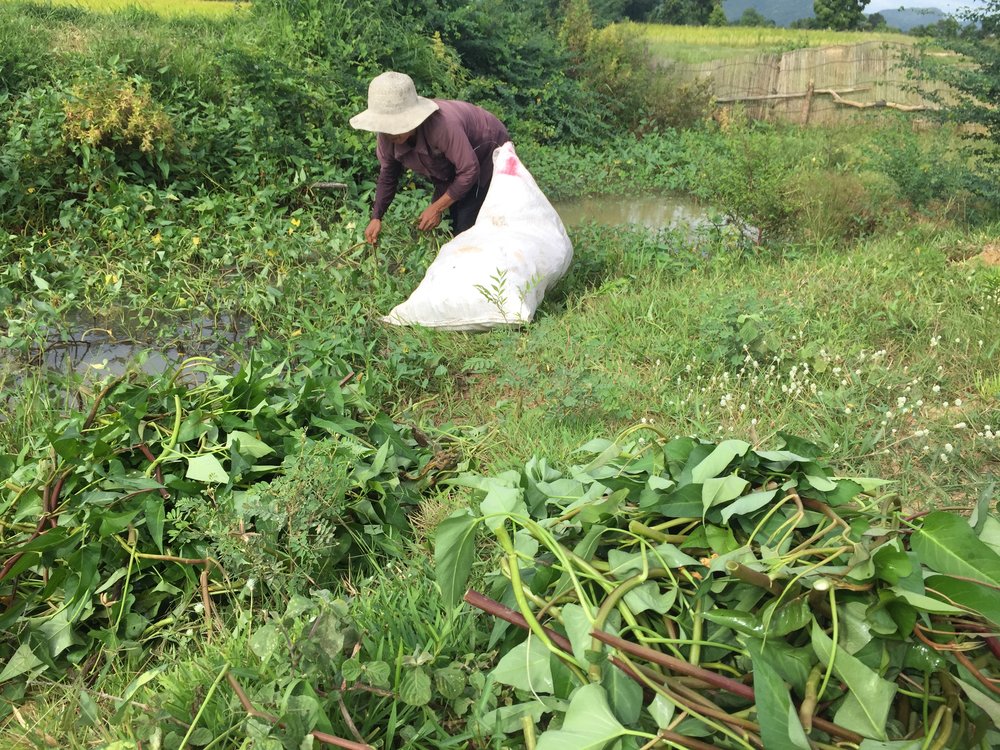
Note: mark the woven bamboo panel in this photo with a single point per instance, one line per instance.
(796, 85)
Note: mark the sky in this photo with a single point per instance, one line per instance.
(948, 6)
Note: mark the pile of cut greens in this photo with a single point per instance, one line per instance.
(715, 595)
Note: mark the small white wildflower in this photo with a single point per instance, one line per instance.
(753, 422)
(847, 410)
(960, 426)
(643, 420)
(843, 382)
(920, 402)
(936, 389)
(948, 447)
(927, 449)
(958, 402)
(944, 458)
(900, 401)
(945, 404)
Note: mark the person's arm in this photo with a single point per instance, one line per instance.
(431, 216)
(385, 188)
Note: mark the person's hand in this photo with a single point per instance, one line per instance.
(429, 219)
(372, 231)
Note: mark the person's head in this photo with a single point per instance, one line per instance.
(394, 107)
(400, 138)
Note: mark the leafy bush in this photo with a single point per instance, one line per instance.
(119, 116)
(924, 169)
(844, 206)
(749, 175)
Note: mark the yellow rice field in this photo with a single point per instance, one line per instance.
(692, 44)
(160, 7)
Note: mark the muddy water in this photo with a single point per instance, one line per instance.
(661, 211)
(88, 344)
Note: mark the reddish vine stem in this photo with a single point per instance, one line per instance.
(50, 496)
(983, 679)
(713, 679)
(686, 742)
(329, 739)
(495, 608)
(159, 473)
(676, 665)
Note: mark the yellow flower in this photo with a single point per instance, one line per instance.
(196, 240)
(295, 222)
(157, 238)
(31, 190)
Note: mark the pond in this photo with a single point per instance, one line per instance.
(654, 211)
(90, 344)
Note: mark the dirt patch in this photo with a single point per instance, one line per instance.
(990, 255)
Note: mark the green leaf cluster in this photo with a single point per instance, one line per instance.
(737, 589)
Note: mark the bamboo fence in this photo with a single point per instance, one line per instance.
(817, 85)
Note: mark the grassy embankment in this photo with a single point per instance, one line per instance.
(880, 348)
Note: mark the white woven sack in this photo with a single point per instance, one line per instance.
(497, 272)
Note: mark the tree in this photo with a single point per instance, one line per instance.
(684, 12)
(975, 85)
(877, 22)
(753, 17)
(840, 15)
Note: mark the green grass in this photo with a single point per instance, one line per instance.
(694, 44)
(859, 350)
(168, 8)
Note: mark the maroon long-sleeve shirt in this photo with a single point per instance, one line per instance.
(453, 147)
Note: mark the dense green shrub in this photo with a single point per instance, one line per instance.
(748, 175)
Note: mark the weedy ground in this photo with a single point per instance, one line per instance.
(865, 322)
(885, 353)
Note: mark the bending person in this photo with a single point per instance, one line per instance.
(451, 142)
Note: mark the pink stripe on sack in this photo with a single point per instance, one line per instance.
(510, 166)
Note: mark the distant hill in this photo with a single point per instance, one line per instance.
(905, 19)
(783, 12)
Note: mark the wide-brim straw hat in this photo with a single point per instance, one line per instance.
(393, 106)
